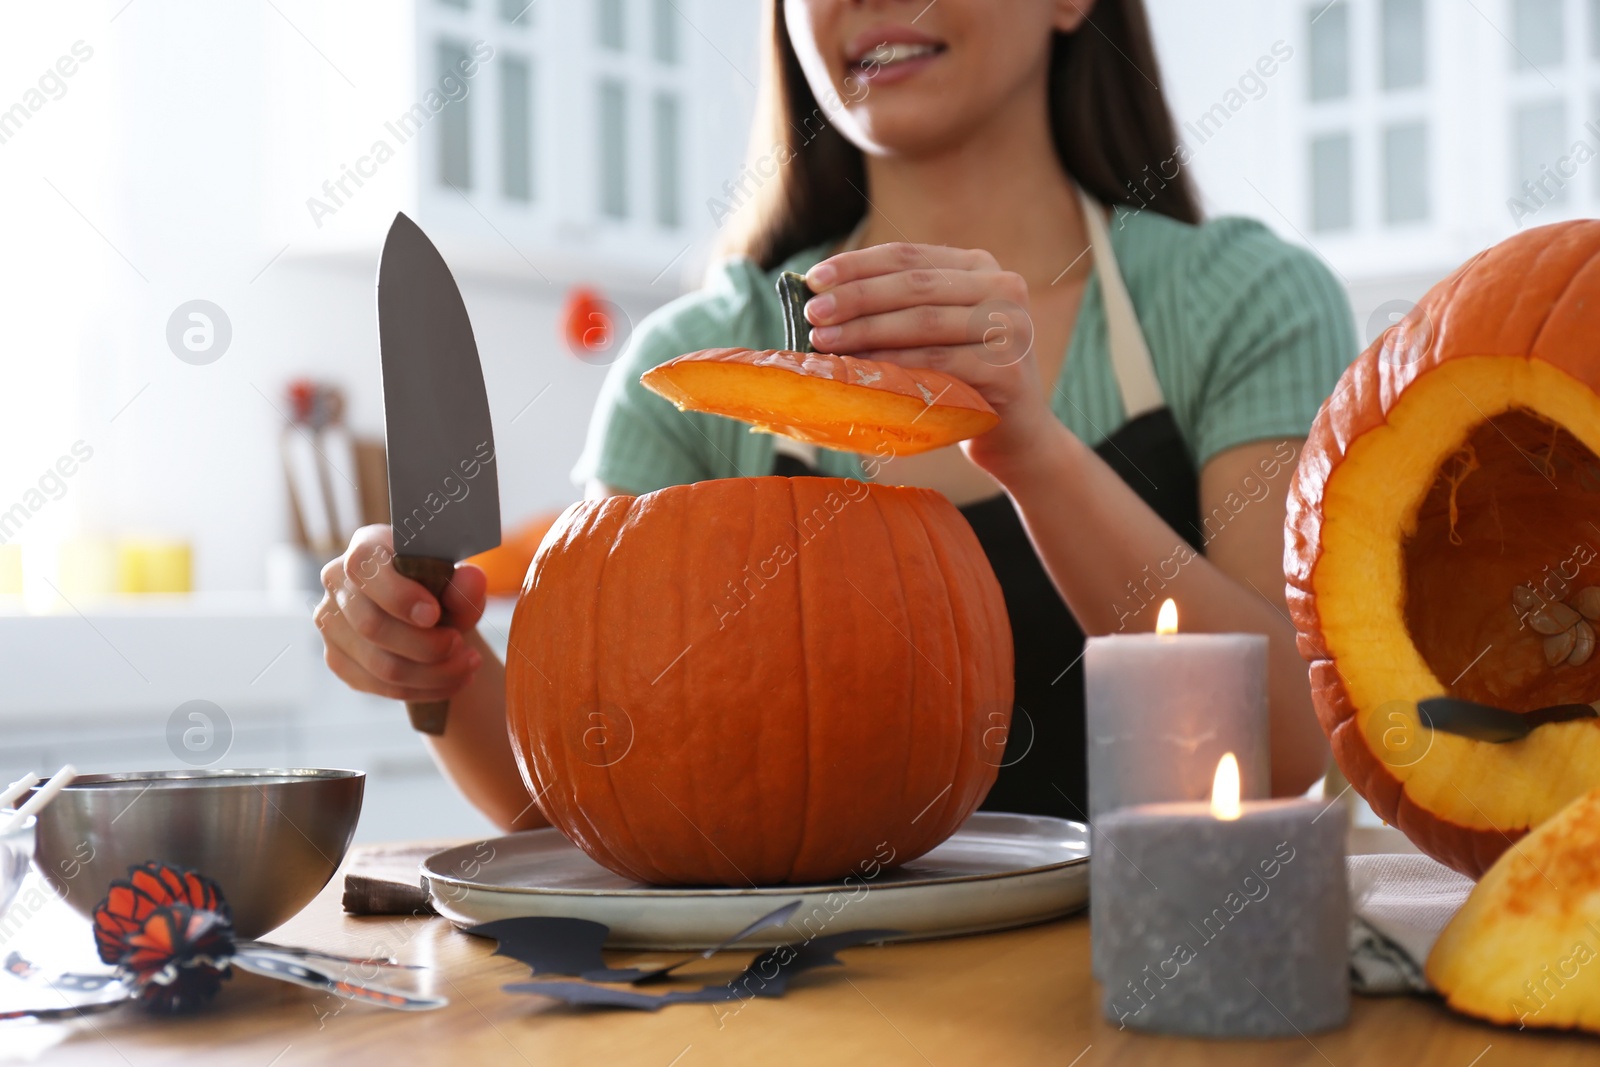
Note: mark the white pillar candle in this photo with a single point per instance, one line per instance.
(1223, 927)
(1161, 709)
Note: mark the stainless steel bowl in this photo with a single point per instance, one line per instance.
(15, 848)
(270, 838)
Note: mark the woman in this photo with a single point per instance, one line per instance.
(942, 173)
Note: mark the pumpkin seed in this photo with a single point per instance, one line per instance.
(1559, 646)
(1552, 619)
(1588, 602)
(1583, 644)
(1525, 598)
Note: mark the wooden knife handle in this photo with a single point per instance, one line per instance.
(434, 574)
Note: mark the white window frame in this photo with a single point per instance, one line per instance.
(642, 76)
(1365, 112)
(1576, 83)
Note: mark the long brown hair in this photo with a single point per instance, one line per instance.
(804, 183)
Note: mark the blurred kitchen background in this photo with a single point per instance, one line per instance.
(196, 194)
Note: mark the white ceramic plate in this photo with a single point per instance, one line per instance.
(996, 872)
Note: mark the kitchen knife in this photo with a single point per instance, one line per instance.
(444, 496)
(1484, 722)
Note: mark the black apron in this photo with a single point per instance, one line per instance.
(1045, 770)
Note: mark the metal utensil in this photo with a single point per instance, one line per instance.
(271, 838)
(1485, 722)
(444, 496)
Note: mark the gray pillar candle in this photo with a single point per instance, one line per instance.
(1161, 709)
(1219, 928)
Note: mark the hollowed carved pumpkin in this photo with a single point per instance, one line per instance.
(1443, 537)
(760, 680)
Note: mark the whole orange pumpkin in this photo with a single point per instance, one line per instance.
(1443, 539)
(760, 680)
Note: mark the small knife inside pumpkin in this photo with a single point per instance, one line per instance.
(1484, 722)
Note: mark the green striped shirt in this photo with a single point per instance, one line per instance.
(1248, 333)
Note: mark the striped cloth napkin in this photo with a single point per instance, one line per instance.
(1401, 903)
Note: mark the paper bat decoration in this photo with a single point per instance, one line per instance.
(768, 975)
(572, 947)
(168, 933)
(554, 945)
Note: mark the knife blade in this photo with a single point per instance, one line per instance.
(1484, 722)
(444, 493)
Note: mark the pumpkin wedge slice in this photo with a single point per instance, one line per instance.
(839, 402)
(1525, 948)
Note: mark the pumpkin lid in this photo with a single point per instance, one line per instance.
(835, 401)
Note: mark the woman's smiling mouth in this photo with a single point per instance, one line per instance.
(891, 55)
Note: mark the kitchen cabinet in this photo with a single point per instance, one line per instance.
(108, 687)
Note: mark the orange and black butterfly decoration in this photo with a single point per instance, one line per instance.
(168, 933)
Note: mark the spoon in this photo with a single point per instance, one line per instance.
(1484, 722)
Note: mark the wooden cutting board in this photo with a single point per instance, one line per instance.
(383, 879)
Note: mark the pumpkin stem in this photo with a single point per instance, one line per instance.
(793, 292)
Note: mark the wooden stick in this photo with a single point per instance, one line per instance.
(42, 796)
(9, 796)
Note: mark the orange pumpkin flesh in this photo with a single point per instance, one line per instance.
(505, 565)
(839, 402)
(1456, 462)
(759, 680)
(1522, 951)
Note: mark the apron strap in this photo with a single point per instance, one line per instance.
(1130, 356)
(804, 451)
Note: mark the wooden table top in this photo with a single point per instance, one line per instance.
(1021, 997)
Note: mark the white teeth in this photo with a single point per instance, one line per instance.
(885, 54)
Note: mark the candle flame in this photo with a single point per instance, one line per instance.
(1167, 619)
(1225, 788)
